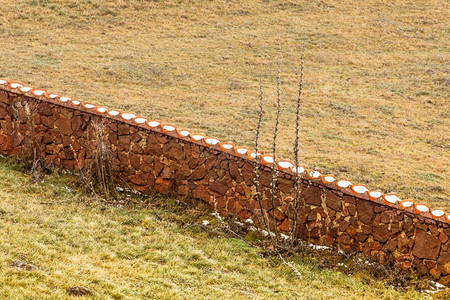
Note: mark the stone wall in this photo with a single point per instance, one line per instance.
(150, 155)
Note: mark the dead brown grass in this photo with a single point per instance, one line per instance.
(376, 105)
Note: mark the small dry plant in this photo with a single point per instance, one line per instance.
(96, 176)
(32, 150)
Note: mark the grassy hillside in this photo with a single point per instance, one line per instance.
(376, 106)
(52, 238)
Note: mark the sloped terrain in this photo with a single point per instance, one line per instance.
(53, 239)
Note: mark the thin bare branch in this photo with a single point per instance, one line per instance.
(296, 146)
(256, 165)
(274, 148)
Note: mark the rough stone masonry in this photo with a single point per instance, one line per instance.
(149, 155)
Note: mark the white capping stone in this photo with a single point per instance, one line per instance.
(53, 96)
(16, 85)
(101, 109)
(227, 146)
(128, 116)
(25, 89)
(360, 189)
(344, 183)
(89, 106)
(391, 198)
(64, 99)
(140, 120)
(3, 81)
(212, 141)
(407, 204)
(285, 164)
(437, 212)
(169, 127)
(315, 174)
(76, 102)
(113, 112)
(269, 159)
(253, 155)
(153, 124)
(39, 92)
(184, 133)
(375, 194)
(198, 137)
(298, 169)
(422, 208)
(329, 179)
(241, 150)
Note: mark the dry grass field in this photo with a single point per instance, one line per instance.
(376, 97)
(52, 239)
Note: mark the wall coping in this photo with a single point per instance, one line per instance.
(285, 167)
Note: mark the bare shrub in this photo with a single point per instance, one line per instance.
(97, 176)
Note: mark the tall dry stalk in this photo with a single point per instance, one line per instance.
(274, 149)
(32, 149)
(256, 165)
(296, 147)
(101, 159)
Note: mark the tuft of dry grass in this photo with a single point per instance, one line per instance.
(376, 94)
(56, 243)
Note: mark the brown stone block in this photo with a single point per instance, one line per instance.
(351, 231)
(244, 214)
(158, 167)
(312, 216)
(78, 125)
(426, 245)
(44, 109)
(123, 143)
(112, 138)
(443, 237)
(361, 237)
(381, 233)
(183, 190)
(16, 139)
(198, 173)
(3, 113)
(349, 199)
(112, 126)
(162, 139)
(344, 239)
(123, 129)
(351, 209)
(123, 158)
(234, 172)
(49, 138)
(444, 261)
(201, 193)
(67, 163)
(343, 226)
(390, 245)
(174, 150)
(163, 186)
(136, 137)
(285, 185)
(141, 179)
(64, 126)
(135, 161)
(365, 211)
(153, 146)
(333, 201)
(312, 195)
(167, 173)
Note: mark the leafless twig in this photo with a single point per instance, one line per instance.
(274, 149)
(296, 147)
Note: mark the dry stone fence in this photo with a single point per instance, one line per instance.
(152, 155)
